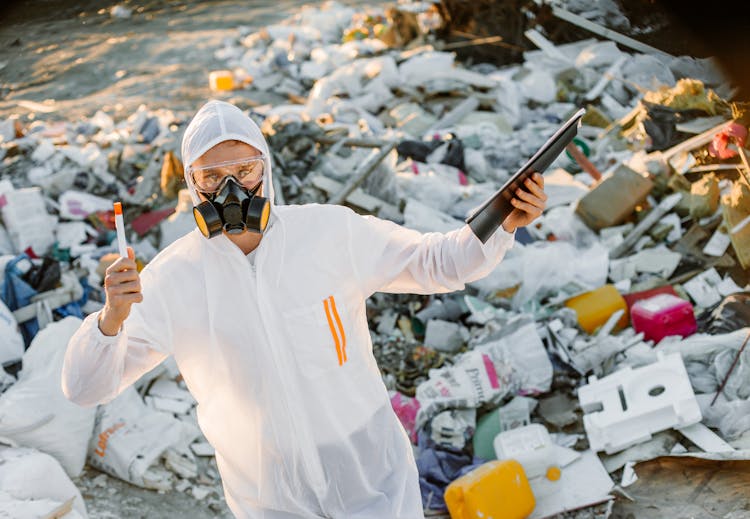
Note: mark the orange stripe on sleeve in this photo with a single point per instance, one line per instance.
(341, 328)
(333, 330)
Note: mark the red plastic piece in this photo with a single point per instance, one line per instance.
(147, 221)
(663, 315)
(719, 146)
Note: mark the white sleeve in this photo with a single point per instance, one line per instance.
(388, 257)
(97, 367)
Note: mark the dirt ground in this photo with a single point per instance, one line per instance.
(74, 58)
(107, 497)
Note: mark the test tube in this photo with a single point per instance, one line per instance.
(120, 227)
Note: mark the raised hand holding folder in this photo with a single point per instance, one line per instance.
(488, 217)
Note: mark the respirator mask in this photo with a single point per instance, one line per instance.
(231, 204)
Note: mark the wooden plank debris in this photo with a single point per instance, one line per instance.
(352, 142)
(694, 142)
(582, 22)
(583, 161)
(357, 198)
(362, 172)
(453, 117)
(654, 216)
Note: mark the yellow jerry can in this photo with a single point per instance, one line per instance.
(497, 490)
(220, 80)
(596, 307)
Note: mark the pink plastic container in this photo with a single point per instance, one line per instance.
(663, 315)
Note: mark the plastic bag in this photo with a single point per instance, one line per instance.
(738, 383)
(30, 478)
(438, 466)
(524, 351)
(448, 150)
(731, 314)
(77, 205)
(421, 217)
(732, 418)
(11, 340)
(44, 277)
(130, 436)
(437, 185)
(406, 409)
(549, 266)
(25, 216)
(34, 412)
(17, 293)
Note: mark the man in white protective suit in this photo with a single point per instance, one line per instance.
(263, 309)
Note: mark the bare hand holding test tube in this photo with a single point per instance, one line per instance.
(122, 284)
(120, 227)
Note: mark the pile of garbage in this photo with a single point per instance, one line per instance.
(614, 332)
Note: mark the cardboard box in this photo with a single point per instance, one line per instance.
(613, 198)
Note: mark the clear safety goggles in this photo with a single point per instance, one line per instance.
(247, 172)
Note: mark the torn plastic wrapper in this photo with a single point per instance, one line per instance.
(406, 408)
(438, 467)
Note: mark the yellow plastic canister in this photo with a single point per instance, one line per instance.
(221, 80)
(596, 307)
(497, 489)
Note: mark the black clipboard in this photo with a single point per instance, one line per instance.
(488, 217)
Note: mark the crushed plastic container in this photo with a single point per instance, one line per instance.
(531, 446)
(596, 307)
(510, 416)
(663, 315)
(497, 489)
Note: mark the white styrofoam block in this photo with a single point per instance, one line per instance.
(627, 407)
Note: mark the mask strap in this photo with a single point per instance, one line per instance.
(256, 188)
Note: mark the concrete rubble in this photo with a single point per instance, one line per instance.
(366, 107)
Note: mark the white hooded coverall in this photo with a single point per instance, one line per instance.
(277, 351)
